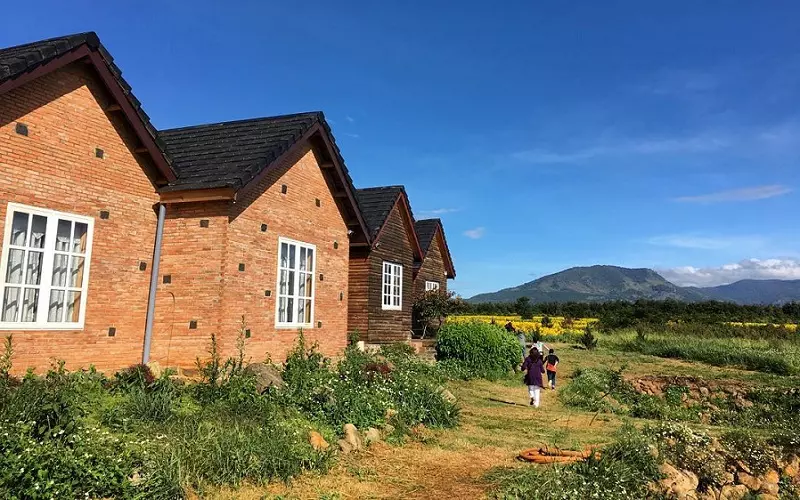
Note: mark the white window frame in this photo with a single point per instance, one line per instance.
(432, 285)
(391, 270)
(295, 294)
(45, 285)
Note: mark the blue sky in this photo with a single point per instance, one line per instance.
(544, 134)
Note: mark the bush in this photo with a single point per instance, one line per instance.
(481, 350)
(690, 450)
(751, 449)
(588, 340)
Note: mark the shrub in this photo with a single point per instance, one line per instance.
(482, 350)
(690, 450)
(6, 358)
(588, 340)
(750, 448)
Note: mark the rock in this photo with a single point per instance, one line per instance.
(352, 437)
(390, 414)
(771, 476)
(155, 369)
(345, 447)
(653, 450)
(388, 430)
(710, 494)
(792, 467)
(743, 467)
(265, 376)
(733, 492)
(317, 441)
(728, 478)
(766, 496)
(681, 483)
(372, 435)
(752, 483)
(705, 392)
(769, 489)
(447, 395)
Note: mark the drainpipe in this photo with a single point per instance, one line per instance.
(151, 303)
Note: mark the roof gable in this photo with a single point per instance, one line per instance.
(234, 155)
(428, 230)
(377, 203)
(23, 63)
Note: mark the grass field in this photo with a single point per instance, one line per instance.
(455, 463)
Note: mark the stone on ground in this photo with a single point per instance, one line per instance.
(372, 435)
(352, 437)
(753, 483)
(265, 376)
(317, 441)
(733, 492)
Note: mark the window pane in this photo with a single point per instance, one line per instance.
(306, 318)
(73, 307)
(16, 260)
(285, 255)
(309, 284)
(11, 304)
(19, 229)
(62, 235)
(290, 284)
(301, 311)
(310, 258)
(60, 270)
(302, 259)
(76, 272)
(29, 305)
(33, 275)
(305, 285)
(55, 310)
(38, 228)
(282, 288)
(282, 309)
(79, 240)
(289, 310)
(292, 249)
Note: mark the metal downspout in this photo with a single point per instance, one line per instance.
(151, 303)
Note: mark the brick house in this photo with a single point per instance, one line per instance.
(436, 266)
(382, 274)
(121, 242)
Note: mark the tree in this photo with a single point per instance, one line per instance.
(431, 308)
(546, 322)
(524, 308)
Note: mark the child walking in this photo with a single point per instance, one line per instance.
(534, 368)
(551, 367)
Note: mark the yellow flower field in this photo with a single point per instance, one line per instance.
(789, 326)
(529, 325)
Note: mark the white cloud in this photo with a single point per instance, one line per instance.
(349, 118)
(703, 242)
(649, 146)
(475, 233)
(437, 212)
(747, 269)
(354, 136)
(744, 194)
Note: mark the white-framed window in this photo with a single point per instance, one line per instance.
(431, 285)
(296, 266)
(392, 292)
(45, 269)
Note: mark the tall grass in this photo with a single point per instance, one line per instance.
(777, 357)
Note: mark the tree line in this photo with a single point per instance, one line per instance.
(620, 314)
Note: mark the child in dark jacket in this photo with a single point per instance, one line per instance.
(534, 368)
(551, 365)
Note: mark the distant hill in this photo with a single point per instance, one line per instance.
(755, 291)
(604, 283)
(594, 284)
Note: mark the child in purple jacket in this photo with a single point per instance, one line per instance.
(534, 368)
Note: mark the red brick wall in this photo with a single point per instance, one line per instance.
(54, 167)
(207, 285)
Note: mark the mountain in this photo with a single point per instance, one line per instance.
(755, 291)
(594, 284)
(603, 283)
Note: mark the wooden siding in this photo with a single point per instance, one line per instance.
(375, 324)
(432, 268)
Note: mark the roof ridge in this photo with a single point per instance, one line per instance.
(315, 114)
(90, 36)
(373, 188)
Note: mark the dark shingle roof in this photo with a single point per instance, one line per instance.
(426, 230)
(15, 61)
(230, 154)
(376, 203)
(21, 59)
